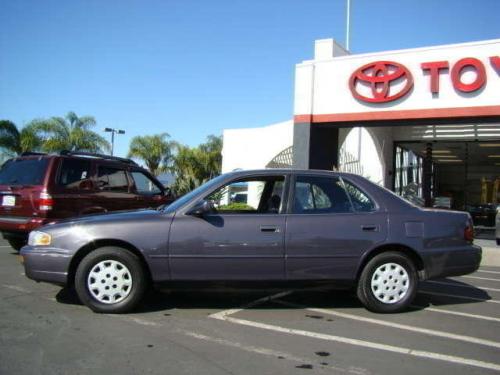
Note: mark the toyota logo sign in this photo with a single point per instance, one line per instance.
(380, 82)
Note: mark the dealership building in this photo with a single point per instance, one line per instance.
(423, 122)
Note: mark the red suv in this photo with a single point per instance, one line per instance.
(38, 188)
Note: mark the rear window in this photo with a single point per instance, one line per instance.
(23, 171)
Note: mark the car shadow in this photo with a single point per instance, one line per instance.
(431, 293)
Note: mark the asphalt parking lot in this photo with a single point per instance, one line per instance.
(454, 326)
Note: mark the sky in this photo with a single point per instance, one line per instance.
(195, 67)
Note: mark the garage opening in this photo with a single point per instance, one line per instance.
(461, 175)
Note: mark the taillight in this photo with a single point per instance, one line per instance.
(45, 202)
(469, 233)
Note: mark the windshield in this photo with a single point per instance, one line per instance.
(23, 171)
(186, 198)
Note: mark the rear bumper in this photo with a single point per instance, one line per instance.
(46, 264)
(452, 262)
(20, 226)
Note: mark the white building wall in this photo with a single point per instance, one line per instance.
(322, 84)
(369, 148)
(254, 148)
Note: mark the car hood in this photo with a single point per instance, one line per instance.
(108, 218)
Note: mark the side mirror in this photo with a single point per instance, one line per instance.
(201, 208)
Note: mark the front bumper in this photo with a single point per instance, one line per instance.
(46, 264)
(452, 262)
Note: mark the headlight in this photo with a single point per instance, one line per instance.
(39, 239)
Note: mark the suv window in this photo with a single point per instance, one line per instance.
(319, 195)
(113, 179)
(360, 201)
(73, 172)
(260, 195)
(23, 171)
(143, 184)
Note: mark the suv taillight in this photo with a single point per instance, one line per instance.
(45, 202)
(469, 232)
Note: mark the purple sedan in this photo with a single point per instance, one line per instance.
(274, 225)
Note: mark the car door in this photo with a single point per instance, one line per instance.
(148, 193)
(331, 224)
(113, 188)
(73, 190)
(239, 240)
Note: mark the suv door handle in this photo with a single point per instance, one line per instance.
(370, 228)
(269, 229)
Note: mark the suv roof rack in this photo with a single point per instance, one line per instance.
(31, 153)
(94, 155)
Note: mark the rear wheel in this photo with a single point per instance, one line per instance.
(110, 280)
(388, 283)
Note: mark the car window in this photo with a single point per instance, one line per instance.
(318, 195)
(262, 195)
(360, 201)
(23, 171)
(113, 179)
(73, 173)
(144, 185)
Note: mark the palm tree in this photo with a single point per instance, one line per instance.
(70, 133)
(212, 150)
(155, 150)
(14, 141)
(194, 166)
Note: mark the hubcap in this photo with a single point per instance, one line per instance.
(109, 281)
(390, 283)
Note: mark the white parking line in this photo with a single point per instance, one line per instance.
(17, 288)
(367, 344)
(458, 313)
(2, 246)
(458, 296)
(484, 271)
(430, 332)
(225, 316)
(463, 285)
(480, 278)
(268, 352)
(221, 315)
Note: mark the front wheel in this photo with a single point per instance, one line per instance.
(388, 283)
(110, 280)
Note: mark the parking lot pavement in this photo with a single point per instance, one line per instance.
(454, 325)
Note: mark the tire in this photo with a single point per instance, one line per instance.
(17, 243)
(388, 283)
(498, 241)
(110, 280)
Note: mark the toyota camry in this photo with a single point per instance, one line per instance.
(273, 225)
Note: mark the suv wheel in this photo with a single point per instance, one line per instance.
(110, 280)
(388, 283)
(16, 243)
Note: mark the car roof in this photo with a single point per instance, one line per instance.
(274, 171)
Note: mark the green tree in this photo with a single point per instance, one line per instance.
(212, 155)
(155, 150)
(70, 133)
(194, 166)
(14, 141)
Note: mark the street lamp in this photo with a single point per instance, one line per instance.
(113, 131)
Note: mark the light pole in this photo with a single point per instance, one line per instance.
(113, 131)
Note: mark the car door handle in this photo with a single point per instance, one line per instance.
(370, 228)
(269, 229)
